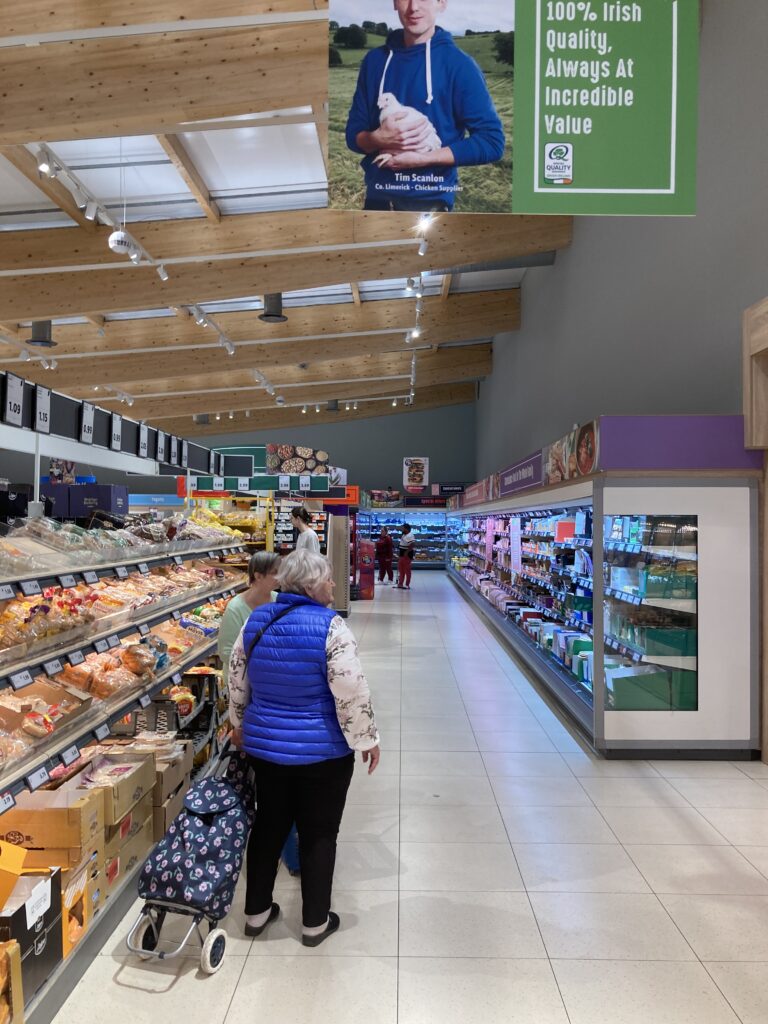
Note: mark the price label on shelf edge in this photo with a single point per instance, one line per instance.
(42, 409)
(20, 679)
(143, 440)
(30, 588)
(143, 629)
(67, 582)
(121, 572)
(101, 732)
(52, 667)
(161, 448)
(243, 483)
(6, 802)
(87, 413)
(7, 593)
(113, 641)
(91, 577)
(70, 755)
(145, 700)
(116, 434)
(14, 400)
(101, 646)
(143, 568)
(176, 678)
(76, 658)
(37, 778)
(178, 559)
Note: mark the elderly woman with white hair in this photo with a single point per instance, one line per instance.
(300, 707)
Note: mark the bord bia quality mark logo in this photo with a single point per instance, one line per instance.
(558, 163)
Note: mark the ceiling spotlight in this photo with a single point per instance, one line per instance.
(129, 399)
(45, 163)
(423, 246)
(420, 289)
(355, 406)
(135, 257)
(91, 209)
(45, 364)
(346, 407)
(231, 415)
(424, 221)
(218, 415)
(394, 403)
(317, 408)
(24, 356)
(53, 364)
(416, 332)
(410, 284)
(229, 347)
(304, 410)
(247, 414)
(162, 273)
(200, 319)
(270, 389)
(95, 387)
(273, 309)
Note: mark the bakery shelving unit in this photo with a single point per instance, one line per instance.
(429, 527)
(632, 600)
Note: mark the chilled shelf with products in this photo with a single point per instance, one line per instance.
(429, 529)
(285, 534)
(604, 595)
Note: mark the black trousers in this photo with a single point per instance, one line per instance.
(405, 205)
(312, 795)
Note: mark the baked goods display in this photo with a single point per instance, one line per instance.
(31, 626)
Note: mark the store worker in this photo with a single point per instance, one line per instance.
(262, 582)
(421, 110)
(301, 706)
(384, 553)
(307, 540)
(406, 551)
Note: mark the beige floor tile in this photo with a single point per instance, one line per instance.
(526, 766)
(662, 825)
(558, 867)
(638, 992)
(722, 927)
(436, 790)
(472, 991)
(459, 867)
(458, 764)
(740, 826)
(633, 793)
(745, 986)
(556, 825)
(589, 766)
(704, 870)
(421, 824)
(705, 793)
(460, 924)
(513, 792)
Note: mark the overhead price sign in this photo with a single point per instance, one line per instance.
(606, 97)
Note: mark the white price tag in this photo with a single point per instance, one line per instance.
(42, 409)
(14, 399)
(145, 700)
(7, 593)
(20, 679)
(212, 554)
(76, 658)
(178, 560)
(176, 678)
(70, 755)
(184, 454)
(91, 576)
(101, 646)
(174, 459)
(243, 483)
(30, 588)
(193, 483)
(176, 615)
(87, 413)
(113, 641)
(143, 568)
(143, 440)
(143, 629)
(6, 802)
(218, 483)
(211, 462)
(39, 902)
(36, 779)
(116, 435)
(283, 483)
(121, 572)
(53, 667)
(67, 582)
(101, 732)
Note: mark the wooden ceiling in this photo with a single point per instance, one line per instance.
(149, 67)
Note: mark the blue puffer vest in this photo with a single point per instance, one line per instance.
(291, 718)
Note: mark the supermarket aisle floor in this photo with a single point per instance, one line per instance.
(492, 872)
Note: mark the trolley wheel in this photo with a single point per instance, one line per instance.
(212, 956)
(147, 937)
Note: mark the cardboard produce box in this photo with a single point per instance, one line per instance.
(11, 987)
(12, 859)
(163, 815)
(32, 916)
(170, 775)
(123, 791)
(75, 909)
(116, 836)
(133, 853)
(55, 826)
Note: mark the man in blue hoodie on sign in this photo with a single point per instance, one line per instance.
(420, 111)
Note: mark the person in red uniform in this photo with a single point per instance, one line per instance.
(405, 557)
(384, 552)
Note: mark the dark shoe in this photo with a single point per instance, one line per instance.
(315, 940)
(274, 913)
(294, 872)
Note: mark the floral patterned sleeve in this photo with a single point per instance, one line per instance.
(349, 688)
(239, 685)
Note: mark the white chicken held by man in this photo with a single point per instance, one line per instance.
(406, 117)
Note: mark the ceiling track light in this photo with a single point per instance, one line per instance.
(46, 163)
(346, 407)
(416, 332)
(317, 408)
(200, 318)
(91, 209)
(419, 307)
(231, 415)
(423, 246)
(45, 364)
(162, 273)
(355, 406)
(394, 403)
(218, 415)
(24, 356)
(270, 389)
(247, 414)
(410, 284)
(304, 410)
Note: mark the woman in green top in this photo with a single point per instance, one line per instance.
(262, 580)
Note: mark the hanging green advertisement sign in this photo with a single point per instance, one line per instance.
(606, 107)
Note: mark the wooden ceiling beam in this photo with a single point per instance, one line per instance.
(34, 17)
(54, 91)
(453, 240)
(276, 419)
(185, 166)
(24, 162)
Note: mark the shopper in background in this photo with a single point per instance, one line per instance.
(308, 540)
(405, 557)
(384, 553)
(262, 582)
(298, 694)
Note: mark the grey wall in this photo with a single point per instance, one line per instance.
(373, 449)
(643, 315)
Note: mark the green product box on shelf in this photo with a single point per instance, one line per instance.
(681, 586)
(670, 642)
(655, 691)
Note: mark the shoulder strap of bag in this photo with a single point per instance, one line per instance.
(262, 631)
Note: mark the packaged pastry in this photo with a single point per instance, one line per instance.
(106, 684)
(184, 700)
(137, 658)
(12, 747)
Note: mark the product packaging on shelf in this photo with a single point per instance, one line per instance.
(129, 855)
(118, 835)
(163, 815)
(11, 986)
(32, 916)
(123, 779)
(56, 827)
(85, 499)
(12, 860)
